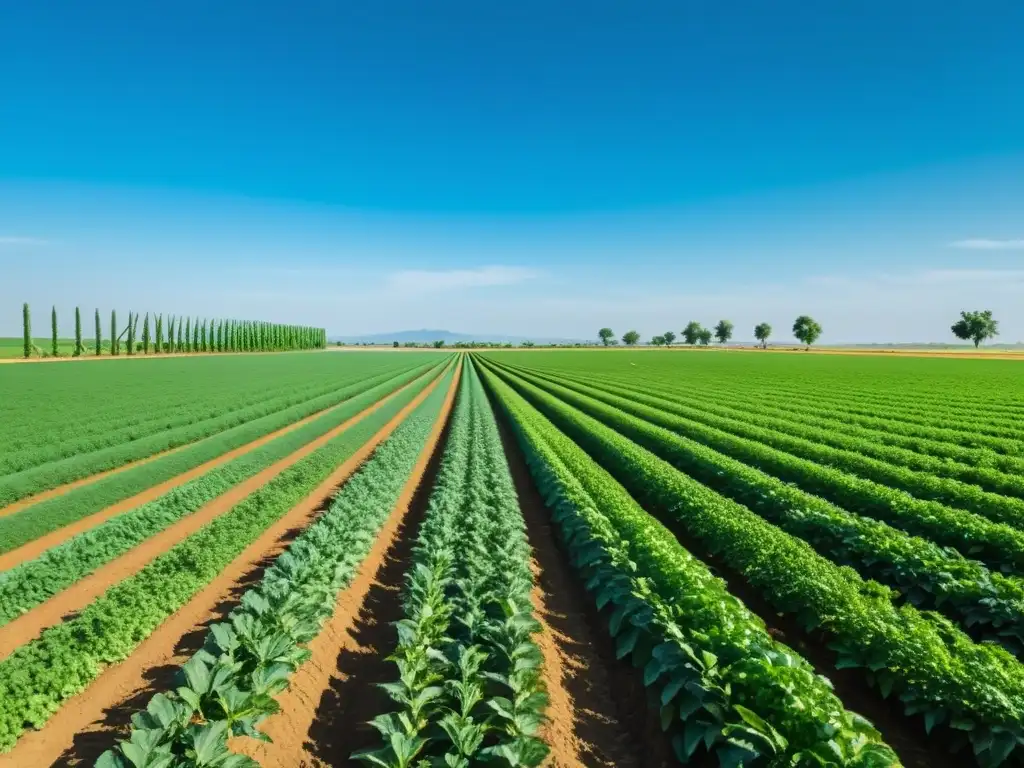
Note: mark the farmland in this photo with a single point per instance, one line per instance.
(561, 557)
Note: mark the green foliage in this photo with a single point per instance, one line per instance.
(229, 429)
(692, 332)
(99, 335)
(54, 347)
(468, 687)
(79, 348)
(761, 332)
(976, 326)
(26, 329)
(719, 678)
(145, 334)
(658, 341)
(248, 659)
(669, 337)
(39, 676)
(723, 331)
(630, 338)
(806, 330)
(932, 667)
(606, 335)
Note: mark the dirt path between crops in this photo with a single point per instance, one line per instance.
(90, 722)
(29, 625)
(36, 547)
(330, 698)
(597, 711)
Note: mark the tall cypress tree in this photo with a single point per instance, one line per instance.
(158, 342)
(79, 349)
(133, 330)
(99, 335)
(113, 332)
(170, 334)
(145, 334)
(26, 329)
(202, 336)
(54, 349)
(195, 336)
(180, 347)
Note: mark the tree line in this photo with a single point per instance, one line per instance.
(177, 335)
(972, 326)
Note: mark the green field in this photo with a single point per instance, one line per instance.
(798, 560)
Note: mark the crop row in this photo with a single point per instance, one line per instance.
(39, 676)
(935, 669)
(49, 515)
(998, 544)
(982, 468)
(228, 687)
(927, 575)
(32, 582)
(46, 476)
(468, 687)
(168, 419)
(718, 680)
(810, 446)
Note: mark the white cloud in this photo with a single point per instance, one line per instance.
(11, 240)
(434, 281)
(983, 244)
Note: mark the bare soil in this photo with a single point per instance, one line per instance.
(310, 720)
(29, 625)
(91, 722)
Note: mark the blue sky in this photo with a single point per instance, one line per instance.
(536, 168)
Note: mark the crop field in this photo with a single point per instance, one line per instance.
(578, 558)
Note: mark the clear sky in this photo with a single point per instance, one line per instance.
(539, 168)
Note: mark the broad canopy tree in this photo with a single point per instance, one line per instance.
(761, 332)
(668, 337)
(691, 333)
(704, 337)
(629, 338)
(976, 326)
(806, 329)
(606, 335)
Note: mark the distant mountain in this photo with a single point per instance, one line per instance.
(426, 336)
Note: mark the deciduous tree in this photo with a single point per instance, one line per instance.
(629, 338)
(668, 337)
(723, 331)
(691, 333)
(806, 330)
(704, 337)
(761, 332)
(606, 335)
(976, 326)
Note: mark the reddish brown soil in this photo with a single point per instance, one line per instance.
(89, 723)
(292, 729)
(76, 597)
(598, 713)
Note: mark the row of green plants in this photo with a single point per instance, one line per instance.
(36, 442)
(44, 476)
(180, 335)
(30, 583)
(41, 675)
(821, 400)
(716, 679)
(999, 545)
(228, 688)
(973, 691)
(922, 485)
(468, 689)
(51, 514)
(970, 466)
(990, 604)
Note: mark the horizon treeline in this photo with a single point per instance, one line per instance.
(156, 334)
